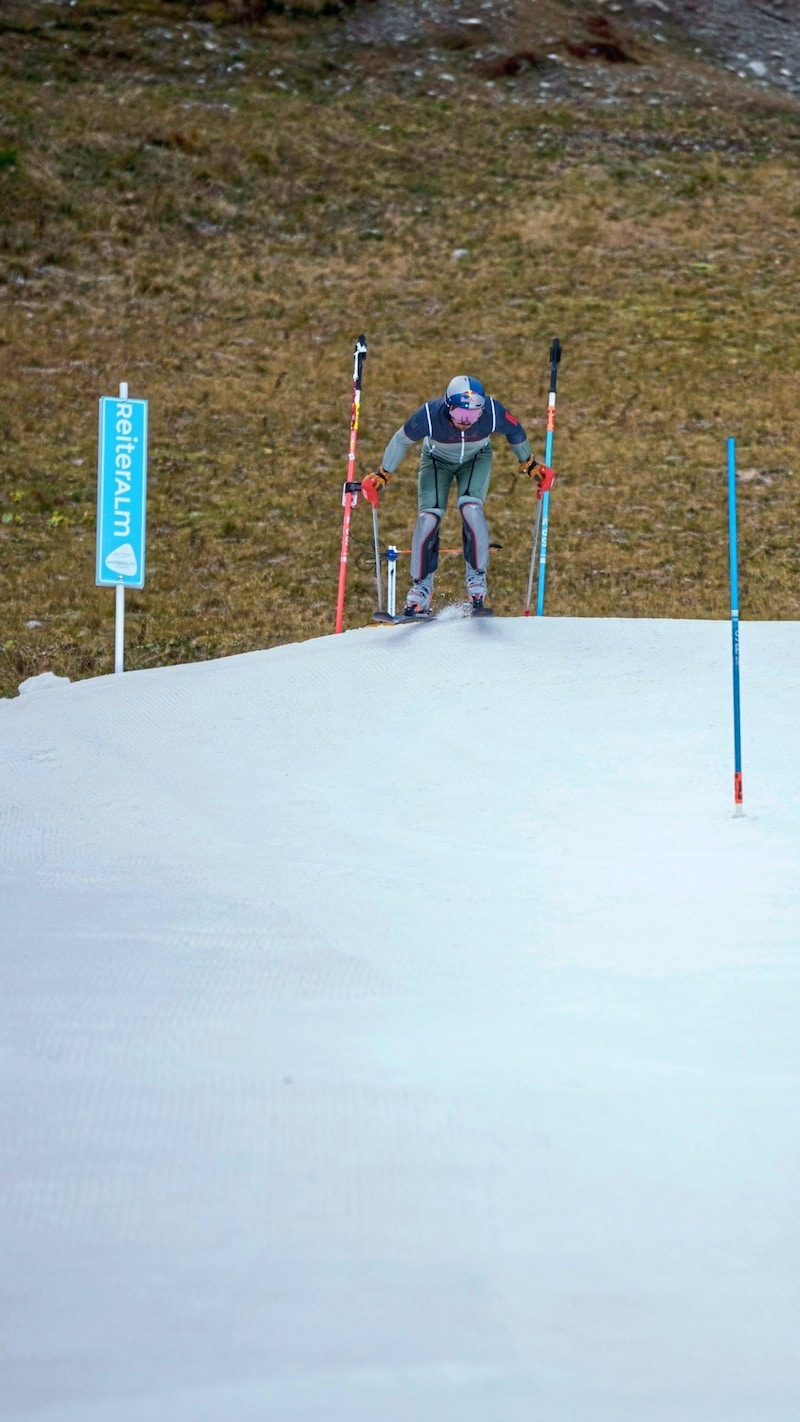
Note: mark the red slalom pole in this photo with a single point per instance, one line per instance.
(351, 485)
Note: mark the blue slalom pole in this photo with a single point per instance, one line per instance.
(737, 723)
(555, 357)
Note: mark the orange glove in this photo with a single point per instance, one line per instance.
(373, 484)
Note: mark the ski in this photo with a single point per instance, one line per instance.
(399, 619)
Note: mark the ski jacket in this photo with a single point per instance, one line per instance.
(432, 423)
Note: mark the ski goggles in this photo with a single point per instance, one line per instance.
(460, 416)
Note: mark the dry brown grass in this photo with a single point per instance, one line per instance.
(220, 246)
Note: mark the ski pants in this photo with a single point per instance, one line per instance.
(472, 483)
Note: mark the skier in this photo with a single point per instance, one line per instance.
(456, 432)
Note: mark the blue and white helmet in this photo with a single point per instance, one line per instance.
(465, 393)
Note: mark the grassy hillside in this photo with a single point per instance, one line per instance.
(213, 208)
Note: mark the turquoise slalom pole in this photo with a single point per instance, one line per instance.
(555, 357)
(738, 796)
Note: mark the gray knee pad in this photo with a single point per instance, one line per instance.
(474, 533)
(425, 544)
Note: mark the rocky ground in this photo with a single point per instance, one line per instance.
(758, 38)
(604, 46)
(668, 52)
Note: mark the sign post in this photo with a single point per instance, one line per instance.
(121, 503)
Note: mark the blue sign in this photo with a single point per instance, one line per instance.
(121, 492)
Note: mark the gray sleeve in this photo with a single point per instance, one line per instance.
(396, 450)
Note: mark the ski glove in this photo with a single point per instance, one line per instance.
(373, 484)
(542, 475)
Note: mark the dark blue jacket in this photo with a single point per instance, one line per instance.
(432, 419)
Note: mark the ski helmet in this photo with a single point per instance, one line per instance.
(465, 393)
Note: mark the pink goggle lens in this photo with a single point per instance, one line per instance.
(465, 417)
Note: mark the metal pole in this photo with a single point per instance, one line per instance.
(391, 579)
(536, 527)
(351, 487)
(555, 357)
(377, 542)
(119, 627)
(738, 796)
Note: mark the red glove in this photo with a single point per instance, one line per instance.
(542, 475)
(373, 484)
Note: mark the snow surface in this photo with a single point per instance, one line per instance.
(401, 1027)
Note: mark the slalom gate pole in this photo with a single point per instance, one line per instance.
(738, 797)
(351, 485)
(377, 542)
(555, 357)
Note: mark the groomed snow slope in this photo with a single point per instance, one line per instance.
(400, 1027)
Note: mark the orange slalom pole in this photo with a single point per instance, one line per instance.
(351, 485)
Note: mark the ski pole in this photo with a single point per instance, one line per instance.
(536, 527)
(555, 357)
(351, 485)
(376, 540)
(391, 578)
(738, 796)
